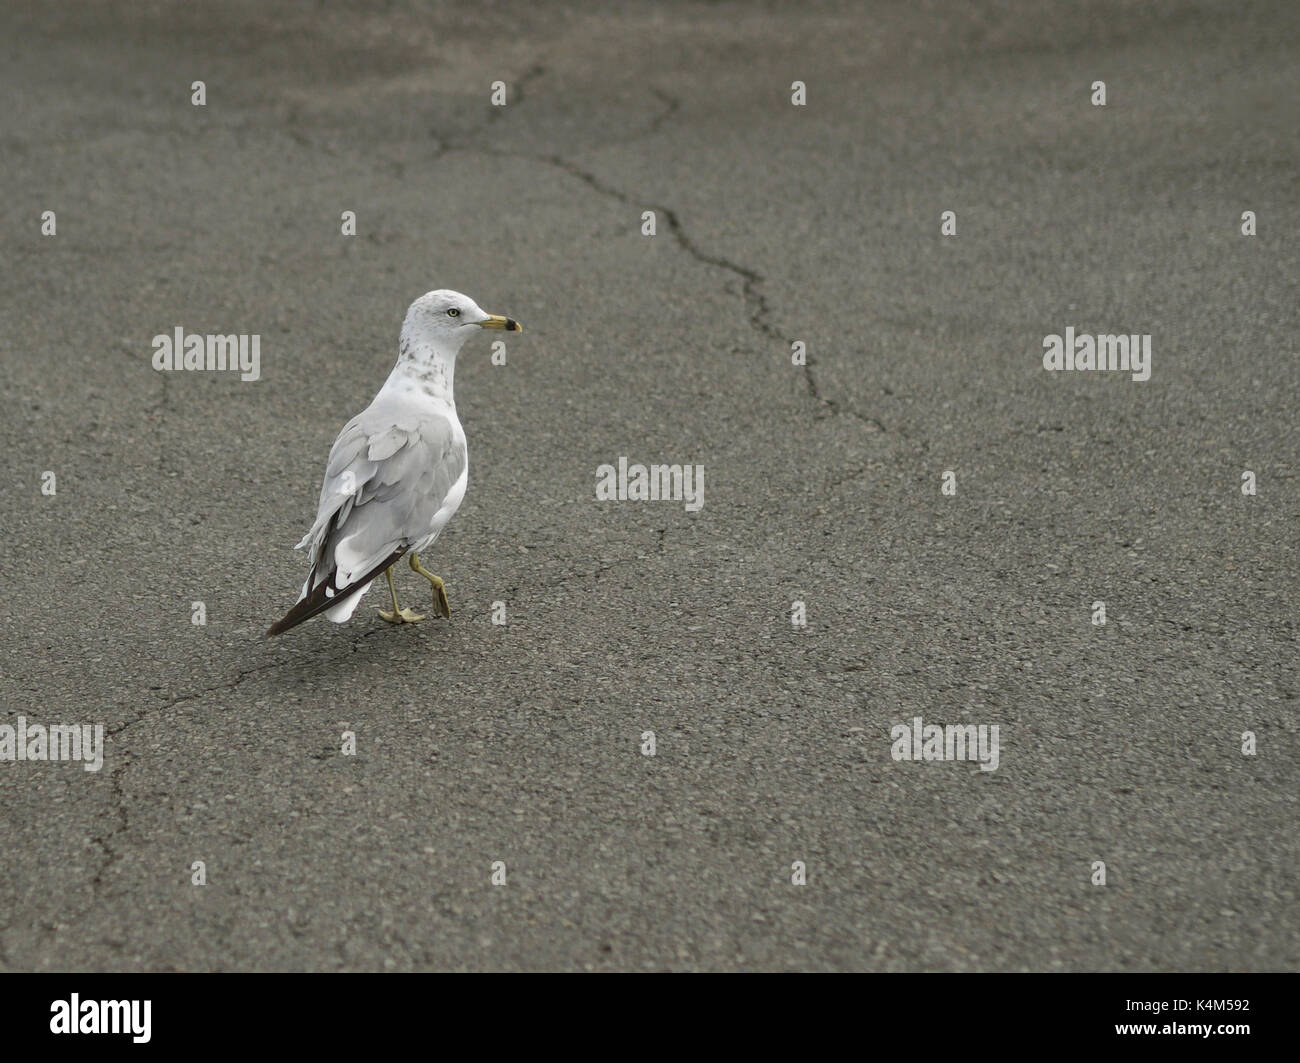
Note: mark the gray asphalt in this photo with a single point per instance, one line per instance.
(520, 743)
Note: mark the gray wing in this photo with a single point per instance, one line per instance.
(389, 472)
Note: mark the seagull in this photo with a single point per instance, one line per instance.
(396, 473)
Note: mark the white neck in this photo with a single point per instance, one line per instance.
(424, 366)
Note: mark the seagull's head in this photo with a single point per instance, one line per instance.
(447, 319)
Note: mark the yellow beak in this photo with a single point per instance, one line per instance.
(497, 321)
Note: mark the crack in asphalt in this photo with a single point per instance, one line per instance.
(193, 696)
(111, 856)
(118, 794)
(758, 311)
(495, 113)
(751, 280)
(672, 106)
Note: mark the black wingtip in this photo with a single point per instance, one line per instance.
(295, 616)
(318, 601)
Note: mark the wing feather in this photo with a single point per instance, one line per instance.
(389, 472)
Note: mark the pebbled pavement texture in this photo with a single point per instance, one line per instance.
(521, 743)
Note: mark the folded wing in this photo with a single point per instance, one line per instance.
(389, 473)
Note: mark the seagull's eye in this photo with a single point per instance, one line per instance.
(453, 312)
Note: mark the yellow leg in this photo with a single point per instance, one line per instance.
(397, 616)
(440, 602)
